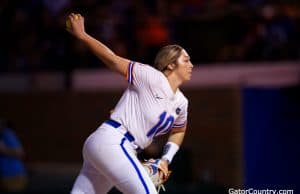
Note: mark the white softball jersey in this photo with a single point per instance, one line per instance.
(149, 107)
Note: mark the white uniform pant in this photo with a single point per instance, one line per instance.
(110, 160)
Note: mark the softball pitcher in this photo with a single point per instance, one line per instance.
(151, 105)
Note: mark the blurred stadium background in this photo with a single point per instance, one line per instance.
(244, 120)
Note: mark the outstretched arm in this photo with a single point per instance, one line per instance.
(76, 27)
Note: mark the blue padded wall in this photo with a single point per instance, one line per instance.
(271, 123)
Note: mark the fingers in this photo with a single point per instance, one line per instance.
(163, 165)
(71, 21)
(75, 25)
(74, 16)
(164, 176)
(164, 172)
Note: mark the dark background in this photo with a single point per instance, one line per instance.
(238, 136)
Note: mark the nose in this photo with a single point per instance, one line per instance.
(191, 65)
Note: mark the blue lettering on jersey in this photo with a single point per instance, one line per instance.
(162, 126)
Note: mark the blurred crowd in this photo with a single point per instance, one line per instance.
(33, 36)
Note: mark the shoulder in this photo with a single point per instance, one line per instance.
(183, 99)
(145, 67)
(147, 72)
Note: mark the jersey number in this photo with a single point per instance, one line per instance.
(162, 126)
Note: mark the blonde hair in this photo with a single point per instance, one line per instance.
(167, 55)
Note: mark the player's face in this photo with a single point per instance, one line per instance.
(184, 66)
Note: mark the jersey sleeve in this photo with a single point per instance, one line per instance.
(181, 120)
(141, 75)
(129, 76)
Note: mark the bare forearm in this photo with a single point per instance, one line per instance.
(111, 60)
(106, 55)
(177, 137)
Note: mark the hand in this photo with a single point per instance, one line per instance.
(157, 169)
(164, 167)
(75, 25)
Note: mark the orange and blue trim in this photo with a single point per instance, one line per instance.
(129, 74)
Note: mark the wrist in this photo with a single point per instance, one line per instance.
(166, 160)
(84, 37)
(170, 149)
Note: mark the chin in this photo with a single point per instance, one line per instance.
(186, 78)
(189, 78)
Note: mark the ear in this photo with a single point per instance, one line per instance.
(171, 66)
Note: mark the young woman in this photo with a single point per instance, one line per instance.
(152, 105)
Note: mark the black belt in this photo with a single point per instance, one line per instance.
(116, 125)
